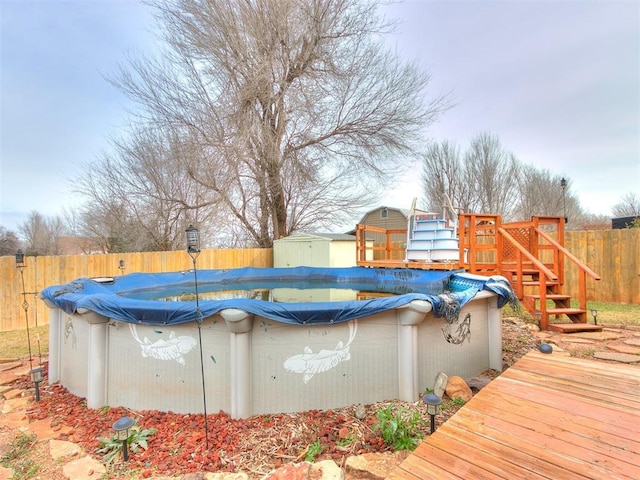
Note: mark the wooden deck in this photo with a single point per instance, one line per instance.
(546, 417)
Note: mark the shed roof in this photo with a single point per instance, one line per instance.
(332, 237)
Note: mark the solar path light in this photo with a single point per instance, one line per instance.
(433, 402)
(122, 426)
(36, 377)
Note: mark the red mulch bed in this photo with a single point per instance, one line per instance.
(255, 445)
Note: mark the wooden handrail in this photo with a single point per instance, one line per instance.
(569, 255)
(537, 263)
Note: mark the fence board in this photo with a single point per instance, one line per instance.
(42, 272)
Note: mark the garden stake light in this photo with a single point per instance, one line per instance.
(122, 427)
(563, 184)
(20, 265)
(594, 313)
(538, 318)
(432, 401)
(121, 266)
(36, 377)
(193, 249)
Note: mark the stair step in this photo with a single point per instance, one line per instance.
(550, 296)
(574, 327)
(564, 311)
(525, 271)
(537, 284)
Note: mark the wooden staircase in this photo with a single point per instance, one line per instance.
(529, 256)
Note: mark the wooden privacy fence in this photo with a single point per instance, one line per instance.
(42, 272)
(613, 254)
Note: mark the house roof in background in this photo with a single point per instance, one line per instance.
(403, 211)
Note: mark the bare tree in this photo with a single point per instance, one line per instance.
(442, 171)
(42, 234)
(141, 196)
(9, 242)
(628, 206)
(292, 108)
(541, 193)
(483, 181)
(492, 173)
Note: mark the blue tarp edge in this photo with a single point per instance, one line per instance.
(107, 298)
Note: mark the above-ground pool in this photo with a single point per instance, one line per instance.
(295, 338)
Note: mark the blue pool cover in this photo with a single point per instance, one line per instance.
(132, 298)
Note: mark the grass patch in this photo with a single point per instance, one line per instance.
(613, 313)
(13, 344)
(627, 314)
(17, 456)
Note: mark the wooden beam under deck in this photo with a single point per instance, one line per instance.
(409, 264)
(546, 417)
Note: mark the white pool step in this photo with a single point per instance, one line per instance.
(432, 241)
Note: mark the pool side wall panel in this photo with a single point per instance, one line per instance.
(253, 365)
(158, 368)
(476, 352)
(297, 368)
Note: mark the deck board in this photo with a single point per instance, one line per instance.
(547, 417)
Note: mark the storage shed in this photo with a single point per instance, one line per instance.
(624, 222)
(315, 250)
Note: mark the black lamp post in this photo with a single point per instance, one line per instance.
(433, 402)
(193, 249)
(20, 265)
(563, 184)
(122, 426)
(594, 314)
(37, 377)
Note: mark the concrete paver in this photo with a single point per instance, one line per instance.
(618, 357)
(598, 336)
(630, 349)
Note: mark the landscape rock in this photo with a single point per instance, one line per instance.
(85, 468)
(226, 476)
(6, 473)
(633, 341)
(326, 470)
(374, 465)
(440, 384)
(532, 327)
(360, 412)
(458, 388)
(60, 449)
(290, 471)
(478, 383)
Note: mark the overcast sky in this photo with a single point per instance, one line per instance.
(557, 81)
